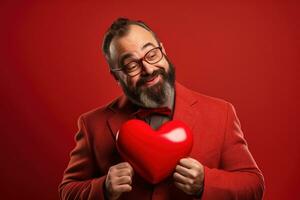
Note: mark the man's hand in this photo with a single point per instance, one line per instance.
(118, 180)
(189, 176)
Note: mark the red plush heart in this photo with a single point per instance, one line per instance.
(154, 154)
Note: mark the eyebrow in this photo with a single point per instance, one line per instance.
(128, 55)
(147, 44)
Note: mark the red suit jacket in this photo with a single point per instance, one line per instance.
(230, 171)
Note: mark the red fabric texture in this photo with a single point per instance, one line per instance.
(230, 171)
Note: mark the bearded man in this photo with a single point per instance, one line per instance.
(220, 165)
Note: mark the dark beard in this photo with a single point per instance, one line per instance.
(156, 93)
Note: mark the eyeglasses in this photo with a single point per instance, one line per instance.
(134, 67)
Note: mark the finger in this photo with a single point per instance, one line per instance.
(182, 179)
(123, 188)
(123, 172)
(179, 186)
(183, 187)
(188, 163)
(194, 160)
(197, 163)
(123, 165)
(123, 180)
(185, 171)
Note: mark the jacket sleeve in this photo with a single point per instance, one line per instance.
(81, 179)
(238, 176)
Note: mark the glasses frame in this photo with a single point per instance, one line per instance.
(140, 62)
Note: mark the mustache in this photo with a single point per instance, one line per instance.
(155, 73)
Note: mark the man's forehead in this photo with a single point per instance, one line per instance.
(137, 39)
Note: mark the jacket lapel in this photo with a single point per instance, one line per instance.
(184, 102)
(123, 111)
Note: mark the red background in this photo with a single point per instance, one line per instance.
(52, 70)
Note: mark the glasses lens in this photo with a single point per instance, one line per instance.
(153, 56)
(132, 68)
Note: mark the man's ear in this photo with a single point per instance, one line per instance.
(163, 48)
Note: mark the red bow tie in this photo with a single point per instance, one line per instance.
(144, 112)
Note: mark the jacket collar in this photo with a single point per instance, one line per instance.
(123, 109)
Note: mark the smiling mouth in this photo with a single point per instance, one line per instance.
(152, 81)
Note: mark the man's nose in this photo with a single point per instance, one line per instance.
(147, 68)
